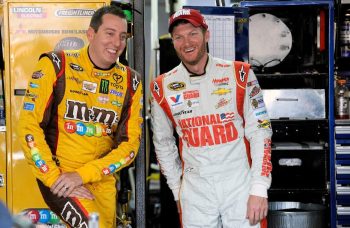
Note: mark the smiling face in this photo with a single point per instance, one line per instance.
(190, 44)
(108, 42)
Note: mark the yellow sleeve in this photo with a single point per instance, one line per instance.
(30, 132)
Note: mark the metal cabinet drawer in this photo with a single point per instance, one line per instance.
(342, 189)
(345, 170)
(341, 210)
(342, 149)
(299, 169)
(295, 103)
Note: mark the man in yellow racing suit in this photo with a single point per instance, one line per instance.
(81, 122)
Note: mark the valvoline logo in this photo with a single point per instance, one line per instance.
(176, 100)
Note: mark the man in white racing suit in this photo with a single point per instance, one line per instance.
(221, 170)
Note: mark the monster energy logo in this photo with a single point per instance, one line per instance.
(104, 86)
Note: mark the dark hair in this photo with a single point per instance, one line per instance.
(96, 19)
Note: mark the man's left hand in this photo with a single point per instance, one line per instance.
(257, 209)
(66, 183)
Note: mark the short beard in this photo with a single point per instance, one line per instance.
(202, 52)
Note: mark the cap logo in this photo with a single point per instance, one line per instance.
(181, 12)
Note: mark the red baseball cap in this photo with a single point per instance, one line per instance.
(191, 15)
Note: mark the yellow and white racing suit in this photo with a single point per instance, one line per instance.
(77, 117)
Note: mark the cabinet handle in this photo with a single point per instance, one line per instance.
(290, 162)
(287, 99)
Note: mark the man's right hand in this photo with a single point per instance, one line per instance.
(81, 192)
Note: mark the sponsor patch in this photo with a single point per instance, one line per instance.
(29, 138)
(70, 127)
(221, 91)
(176, 100)
(114, 167)
(32, 96)
(255, 91)
(222, 102)
(104, 86)
(73, 216)
(81, 128)
(89, 86)
(37, 74)
(106, 171)
(79, 111)
(260, 112)
(118, 78)
(267, 165)
(76, 67)
(264, 124)
(36, 157)
(116, 103)
(33, 85)
(222, 65)
(228, 116)
(90, 130)
(103, 99)
(73, 54)
(78, 92)
(221, 81)
(257, 102)
(102, 74)
(191, 94)
(182, 112)
(120, 67)
(176, 86)
(28, 106)
(208, 130)
(77, 80)
(117, 93)
(251, 83)
(44, 168)
(192, 103)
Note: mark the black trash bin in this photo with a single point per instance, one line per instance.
(296, 215)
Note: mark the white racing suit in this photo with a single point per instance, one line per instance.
(224, 152)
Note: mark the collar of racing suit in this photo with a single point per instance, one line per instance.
(195, 78)
(95, 66)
